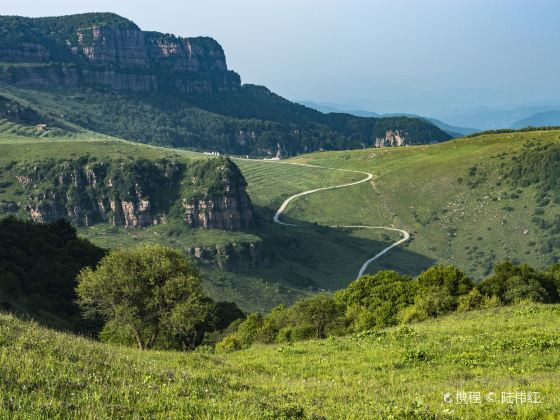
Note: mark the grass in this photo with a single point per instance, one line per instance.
(400, 372)
(454, 217)
(302, 260)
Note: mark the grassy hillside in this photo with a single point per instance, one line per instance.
(466, 202)
(400, 372)
(460, 201)
(305, 259)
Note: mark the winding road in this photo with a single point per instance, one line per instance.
(284, 206)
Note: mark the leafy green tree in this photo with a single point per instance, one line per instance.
(319, 313)
(375, 300)
(444, 278)
(511, 283)
(150, 290)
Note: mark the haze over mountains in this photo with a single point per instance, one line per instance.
(457, 124)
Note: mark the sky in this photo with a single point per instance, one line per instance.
(432, 57)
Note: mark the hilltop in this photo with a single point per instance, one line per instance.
(101, 72)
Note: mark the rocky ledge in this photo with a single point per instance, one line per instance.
(210, 193)
(108, 50)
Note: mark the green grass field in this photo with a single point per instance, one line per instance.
(457, 218)
(302, 260)
(401, 372)
(454, 216)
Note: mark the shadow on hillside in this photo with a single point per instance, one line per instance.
(315, 257)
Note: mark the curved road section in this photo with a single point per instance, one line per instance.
(284, 206)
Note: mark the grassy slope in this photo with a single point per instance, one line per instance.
(396, 371)
(304, 259)
(418, 189)
(415, 188)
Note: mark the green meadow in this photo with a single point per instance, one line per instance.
(399, 372)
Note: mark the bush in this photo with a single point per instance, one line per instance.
(229, 343)
(511, 283)
(434, 303)
(521, 289)
(375, 300)
(318, 315)
(448, 279)
(411, 314)
(246, 333)
(476, 300)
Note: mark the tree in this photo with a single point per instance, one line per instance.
(511, 283)
(445, 278)
(150, 290)
(319, 313)
(375, 300)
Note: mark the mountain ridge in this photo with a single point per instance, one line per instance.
(102, 72)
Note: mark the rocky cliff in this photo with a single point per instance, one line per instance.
(88, 70)
(229, 208)
(392, 139)
(107, 50)
(135, 194)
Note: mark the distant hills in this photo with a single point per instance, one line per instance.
(357, 111)
(100, 71)
(550, 118)
(493, 118)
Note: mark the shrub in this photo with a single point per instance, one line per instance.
(246, 333)
(375, 300)
(411, 314)
(318, 314)
(511, 283)
(229, 343)
(434, 303)
(475, 300)
(447, 279)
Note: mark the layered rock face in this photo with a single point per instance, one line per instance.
(91, 192)
(106, 50)
(136, 194)
(227, 209)
(392, 138)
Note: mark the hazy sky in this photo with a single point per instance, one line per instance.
(424, 56)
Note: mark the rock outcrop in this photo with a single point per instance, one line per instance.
(107, 50)
(392, 138)
(227, 207)
(211, 193)
(233, 256)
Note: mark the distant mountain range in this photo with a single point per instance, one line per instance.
(490, 118)
(549, 118)
(327, 108)
(483, 117)
(100, 71)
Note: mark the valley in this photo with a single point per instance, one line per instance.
(178, 242)
(455, 214)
